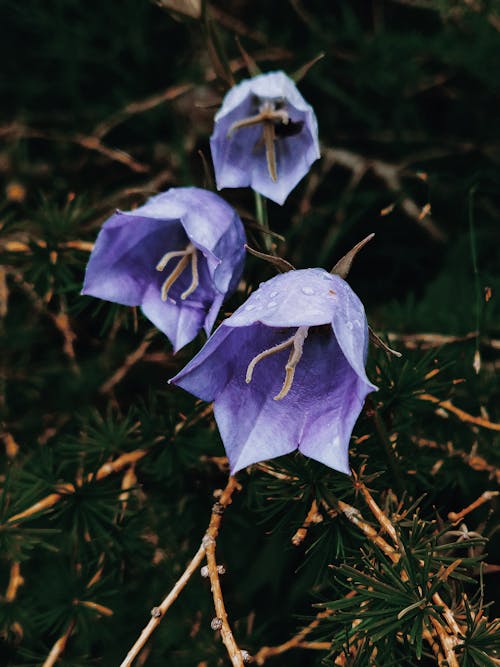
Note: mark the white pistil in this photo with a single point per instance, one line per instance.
(297, 343)
(268, 115)
(189, 255)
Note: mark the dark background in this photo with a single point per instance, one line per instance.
(406, 98)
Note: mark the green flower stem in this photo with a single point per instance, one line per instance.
(263, 220)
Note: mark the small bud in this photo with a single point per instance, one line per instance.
(216, 623)
(207, 539)
(156, 612)
(246, 657)
(218, 509)
(204, 571)
(221, 569)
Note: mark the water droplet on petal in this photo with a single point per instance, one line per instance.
(307, 290)
(272, 304)
(350, 325)
(273, 294)
(250, 306)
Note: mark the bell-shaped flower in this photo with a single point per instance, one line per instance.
(286, 370)
(265, 136)
(177, 256)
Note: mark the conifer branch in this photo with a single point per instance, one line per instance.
(448, 641)
(157, 613)
(104, 471)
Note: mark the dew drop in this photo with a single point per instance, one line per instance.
(273, 294)
(350, 325)
(307, 290)
(250, 307)
(272, 304)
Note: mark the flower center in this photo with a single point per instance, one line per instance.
(271, 114)
(296, 342)
(187, 256)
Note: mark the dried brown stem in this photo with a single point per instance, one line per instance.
(104, 471)
(130, 360)
(429, 340)
(15, 582)
(383, 520)
(390, 174)
(485, 497)
(471, 459)
(58, 648)
(313, 516)
(233, 650)
(295, 642)
(157, 613)
(447, 642)
(60, 320)
(92, 143)
(461, 414)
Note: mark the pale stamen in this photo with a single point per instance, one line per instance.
(268, 116)
(189, 255)
(168, 256)
(297, 343)
(195, 279)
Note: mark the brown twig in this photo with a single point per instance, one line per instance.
(11, 446)
(58, 648)
(17, 130)
(355, 517)
(104, 471)
(448, 644)
(232, 647)
(471, 458)
(313, 516)
(157, 613)
(390, 174)
(425, 341)
(60, 320)
(133, 108)
(461, 414)
(485, 497)
(130, 360)
(383, 520)
(15, 582)
(295, 642)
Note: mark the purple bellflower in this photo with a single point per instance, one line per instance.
(177, 256)
(287, 370)
(265, 136)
